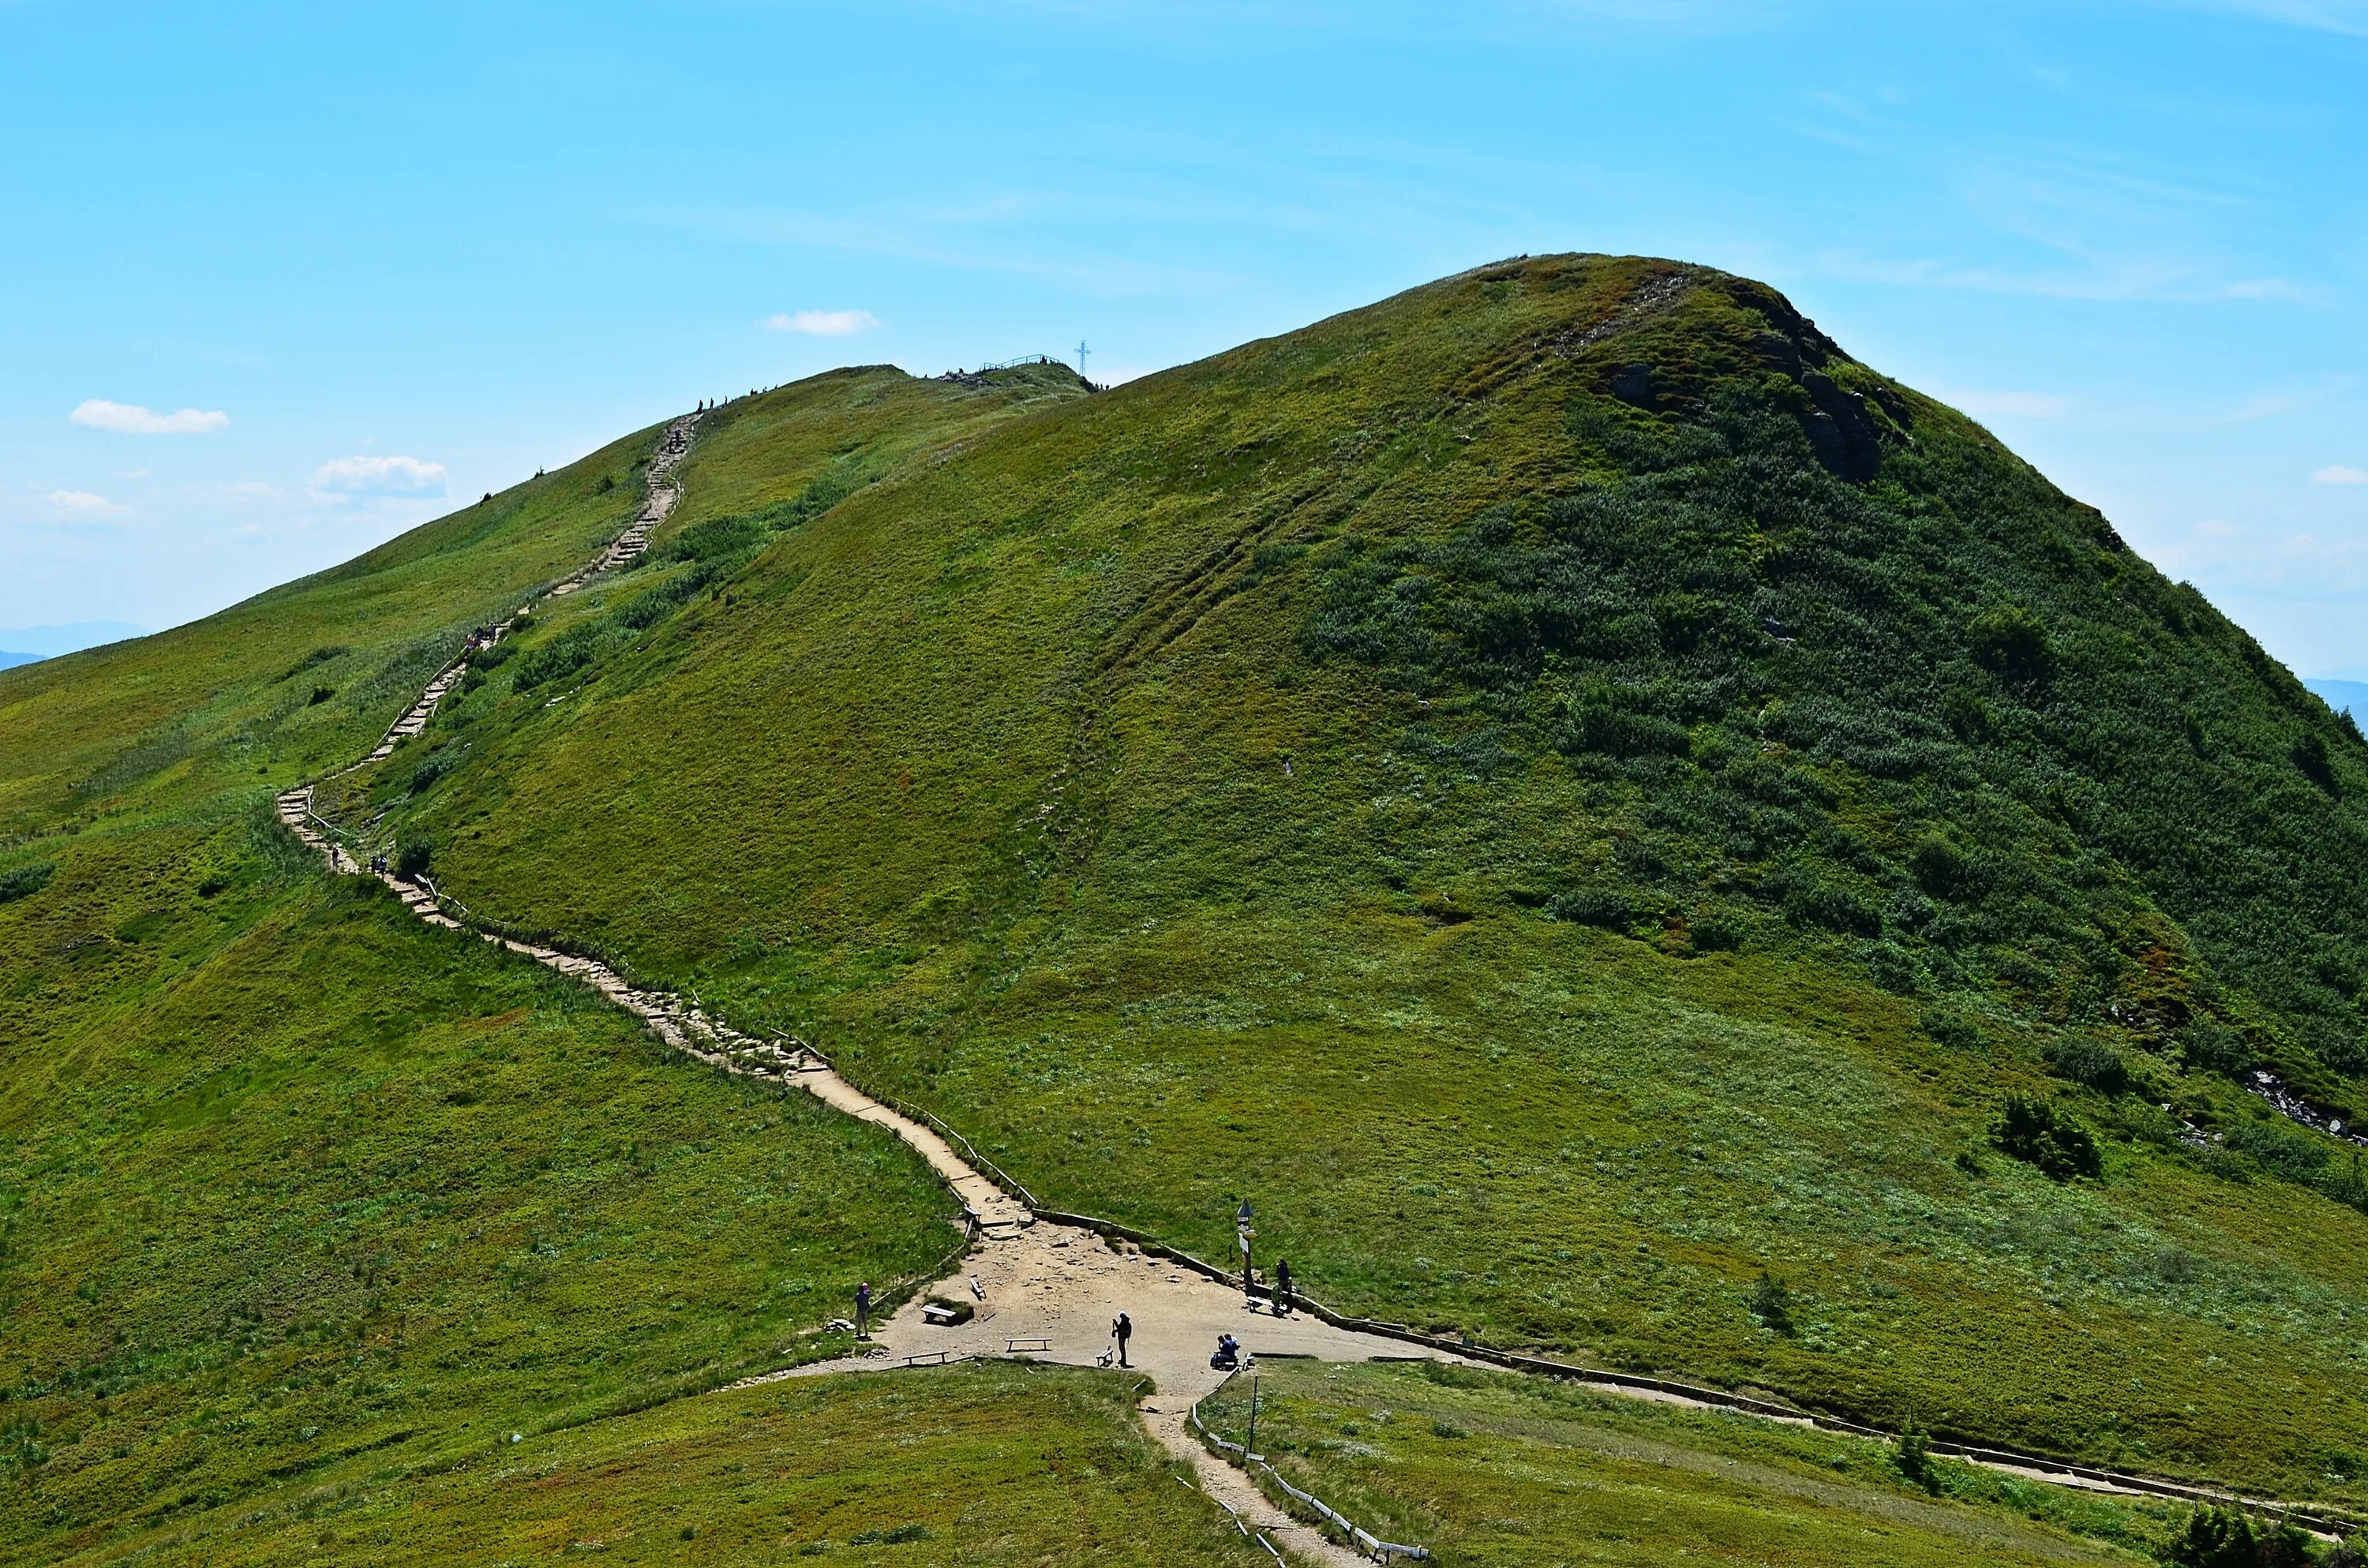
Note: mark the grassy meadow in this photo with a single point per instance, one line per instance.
(1583, 802)
(294, 1189)
(1564, 842)
(1488, 1469)
(990, 1464)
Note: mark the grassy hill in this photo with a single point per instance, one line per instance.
(1622, 829)
(295, 1191)
(1567, 790)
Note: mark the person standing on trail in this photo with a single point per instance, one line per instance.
(1123, 1330)
(1281, 1287)
(863, 1311)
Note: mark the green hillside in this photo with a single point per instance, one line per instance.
(1491, 1468)
(1567, 790)
(1622, 830)
(295, 1191)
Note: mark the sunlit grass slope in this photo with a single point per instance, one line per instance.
(986, 1464)
(295, 1190)
(1487, 1469)
(1570, 793)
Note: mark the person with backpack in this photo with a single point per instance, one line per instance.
(1123, 1330)
(863, 1311)
(1282, 1287)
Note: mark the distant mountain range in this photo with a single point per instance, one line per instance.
(31, 644)
(2344, 696)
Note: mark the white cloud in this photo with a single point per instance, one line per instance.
(131, 419)
(401, 477)
(2336, 474)
(2016, 405)
(83, 503)
(823, 324)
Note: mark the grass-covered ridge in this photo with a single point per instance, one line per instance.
(1570, 792)
(295, 1191)
(982, 1465)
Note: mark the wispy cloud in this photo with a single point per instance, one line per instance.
(131, 419)
(2273, 564)
(823, 324)
(2318, 16)
(2103, 279)
(2336, 474)
(2010, 404)
(393, 477)
(83, 504)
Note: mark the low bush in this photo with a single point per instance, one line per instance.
(2222, 1538)
(2037, 1134)
(2090, 1062)
(1771, 1303)
(2281, 1149)
(411, 859)
(23, 881)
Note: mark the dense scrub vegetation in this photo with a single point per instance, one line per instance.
(1573, 794)
(1943, 713)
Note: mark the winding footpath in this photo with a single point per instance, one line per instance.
(1041, 1287)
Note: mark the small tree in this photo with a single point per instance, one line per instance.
(1771, 1303)
(1913, 1454)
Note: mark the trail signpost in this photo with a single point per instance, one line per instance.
(1242, 1227)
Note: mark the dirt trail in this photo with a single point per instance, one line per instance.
(1040, 1290)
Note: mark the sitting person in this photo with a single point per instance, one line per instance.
(1229, 1353)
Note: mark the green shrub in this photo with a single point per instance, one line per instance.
(2282, 1149)
(1594, 906)
(320, 693)
(2222, 1538)
(2215, 1048)
(24, 882)
(411, 859)
(2035, 1132)
(1952, 1029)
(1771, 1303)
(2011, 641)
(1912, 1452)
(2309, 754)
(432, 768)
(2090, 1062)
(1813, 900)
(562, 656)
(1717, 931)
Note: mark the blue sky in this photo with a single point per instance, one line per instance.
(279, 282)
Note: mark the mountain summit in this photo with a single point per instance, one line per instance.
(1622, 829)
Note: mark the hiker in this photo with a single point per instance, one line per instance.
(1281, 1287)
(863, 1311)
(1229, 1353)
(1123, 1330)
